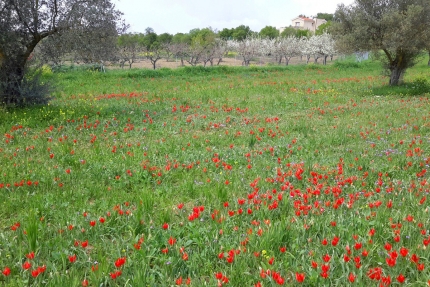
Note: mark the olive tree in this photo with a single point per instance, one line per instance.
(397, 29)
(24, 24)
(428, 63)
(428, 48)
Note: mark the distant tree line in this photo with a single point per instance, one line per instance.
(207, 47)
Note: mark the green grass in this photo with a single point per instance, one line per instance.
(221, 168)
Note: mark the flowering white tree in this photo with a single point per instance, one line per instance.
(317, 46)
(247, 48)
(307, 48)
(200, 50)
(276, 53)
(321, 46)
(287, 48)
(266, 47)
(327, 45)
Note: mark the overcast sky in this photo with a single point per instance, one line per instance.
(173, 16)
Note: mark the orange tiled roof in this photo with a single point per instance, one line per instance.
(306, 19)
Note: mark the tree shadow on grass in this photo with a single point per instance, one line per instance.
(418, 87)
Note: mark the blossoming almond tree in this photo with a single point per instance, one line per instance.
(287, 48)
(308, 48)
(323, 46)
(247, 48)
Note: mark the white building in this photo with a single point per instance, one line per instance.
(310, 24)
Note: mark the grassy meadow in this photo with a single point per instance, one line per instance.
(262, 176)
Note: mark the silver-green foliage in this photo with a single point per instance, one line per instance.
(87, 28)
(398, 28)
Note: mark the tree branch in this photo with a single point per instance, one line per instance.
(55, 14)
(387, 53)
(36, 15)
(21, 18)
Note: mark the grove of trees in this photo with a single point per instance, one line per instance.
(204, 46)
(93, 32)
(208, 46)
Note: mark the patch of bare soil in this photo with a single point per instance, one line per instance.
(175, 63)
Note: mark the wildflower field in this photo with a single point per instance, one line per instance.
(260, 176)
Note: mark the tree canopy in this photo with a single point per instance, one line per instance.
(239, 33)
(288, 31)
(323, 28)
(269, 32)
(399, 29)
(325, 16)
(25, 23)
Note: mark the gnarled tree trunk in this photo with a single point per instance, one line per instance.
(11, 76)
(396, 76)
(397, 64)
(325, 59)
(429, 58)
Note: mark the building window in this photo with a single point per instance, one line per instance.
(297, 24)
